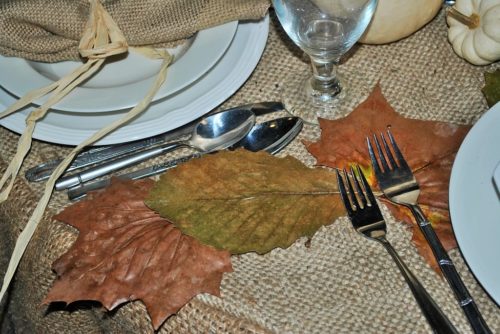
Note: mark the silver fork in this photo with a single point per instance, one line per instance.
(398, 184)
(368, 220)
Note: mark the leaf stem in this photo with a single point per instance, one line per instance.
(472, 21)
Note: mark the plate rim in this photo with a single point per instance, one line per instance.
(254, 32)
(98, 103)
(457, 198)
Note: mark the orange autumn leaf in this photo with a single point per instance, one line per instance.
(428, 146)
(125, 252)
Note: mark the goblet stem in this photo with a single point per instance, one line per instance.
(324, 81)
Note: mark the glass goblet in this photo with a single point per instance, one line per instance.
(325, 30)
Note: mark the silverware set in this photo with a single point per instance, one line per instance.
(228, 129)
(397, 182)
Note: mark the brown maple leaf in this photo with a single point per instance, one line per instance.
(428, 146)
(126, 252)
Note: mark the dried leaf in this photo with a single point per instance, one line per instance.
(491, 89)
(428, 146)
(243, 201)
(126, 252)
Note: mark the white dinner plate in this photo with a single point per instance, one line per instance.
(475, 203)
(120, 84)
(202, 96)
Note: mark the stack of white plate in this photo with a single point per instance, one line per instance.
(206, 71)
(475, 201)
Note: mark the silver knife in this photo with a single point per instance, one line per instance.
(95, 155)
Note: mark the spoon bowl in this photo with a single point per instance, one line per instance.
(221, 130)
(271, 136)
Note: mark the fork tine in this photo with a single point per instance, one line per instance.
(366, 186)
(353, 196)
(381, 155)
(343, 194)
(373, 158)
(359, 190)
(388, 151)
(401, 160)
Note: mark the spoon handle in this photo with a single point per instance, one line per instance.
(114, 165)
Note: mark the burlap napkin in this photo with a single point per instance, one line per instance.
(51, 30)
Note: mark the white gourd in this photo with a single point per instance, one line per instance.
(397, 19)
(474, 30)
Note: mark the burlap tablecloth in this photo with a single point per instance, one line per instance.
(339, 283)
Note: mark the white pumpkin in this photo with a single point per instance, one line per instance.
(474, 30)
(396, 19)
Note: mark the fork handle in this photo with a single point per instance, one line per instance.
(450, 272)
(438, 321)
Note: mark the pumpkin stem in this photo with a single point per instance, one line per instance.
(471, 21)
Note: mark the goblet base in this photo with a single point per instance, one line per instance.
(303, 100)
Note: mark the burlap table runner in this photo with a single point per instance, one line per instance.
(340, 283)
(50, 30)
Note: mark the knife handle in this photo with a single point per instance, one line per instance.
(100, 154)
(81, 191)
(114, 165)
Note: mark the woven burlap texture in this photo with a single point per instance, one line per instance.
(51, 30)
(338, 282)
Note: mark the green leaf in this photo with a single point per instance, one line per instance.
(491, 89)
(242, 201)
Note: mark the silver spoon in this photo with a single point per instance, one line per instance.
(213, 133)
(271, 136)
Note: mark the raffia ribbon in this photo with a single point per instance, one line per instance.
(101, 39)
